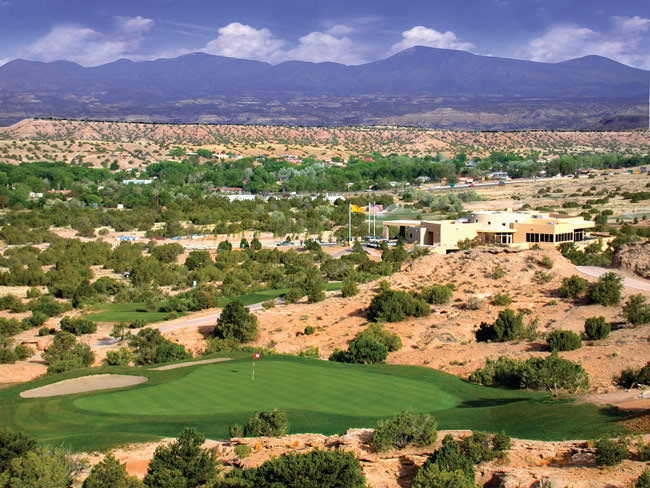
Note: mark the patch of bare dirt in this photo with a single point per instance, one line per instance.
(635, 257)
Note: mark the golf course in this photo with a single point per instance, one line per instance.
(318, 396)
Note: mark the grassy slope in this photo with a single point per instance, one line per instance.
(130, 312)
(317, 396)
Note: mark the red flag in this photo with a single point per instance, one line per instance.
(257, 355)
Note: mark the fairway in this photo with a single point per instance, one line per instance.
(318, 396)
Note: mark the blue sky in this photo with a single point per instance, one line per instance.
(92, 32)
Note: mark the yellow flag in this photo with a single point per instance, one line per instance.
(356, 208)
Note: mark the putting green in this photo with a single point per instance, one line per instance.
(229, 388)
(317, 396)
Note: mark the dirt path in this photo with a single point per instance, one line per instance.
(596, 271)
(84, 384)
(190, 363)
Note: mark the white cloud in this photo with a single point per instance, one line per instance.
(319, 47)
(425, 36)
(243, 41)
(624, 42)
(87, 46)
(340, 30)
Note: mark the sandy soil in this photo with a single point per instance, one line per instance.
(84, 384)
(560, 463)
(190, 363)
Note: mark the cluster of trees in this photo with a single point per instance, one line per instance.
(550, 373)
(65, 353)
(151, 347)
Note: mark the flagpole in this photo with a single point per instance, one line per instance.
(369, 218)
(349, 223)
(374, 220)
(253, 370)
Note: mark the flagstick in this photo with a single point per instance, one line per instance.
(374, 220)
(253, 371)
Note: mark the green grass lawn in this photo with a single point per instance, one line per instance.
(130, 312)
(124, 312)
(318, 396)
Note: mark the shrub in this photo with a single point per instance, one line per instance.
(78, 326)
(183, 463)
(451, 458)
(636, 310)
(394, 306)
(43, 331)
(236, 322)
(13, 445)
(644, 451)
(309, 330)
(643, 481)
(563, 340)
(236, 430)
(309, 352)
(362, 351)
(7, 355)
(379, 334)
(437, 294)
(294, 294)
(431, 476)
(501, 300)
(474, 303)
(317, 468)
(596, 328)
(629, 378)
(607, 290)
(547, 262)
(573, 287)
(121, 357)
(481, 447)
(507, 327)
(267, 424)
(36, 319)
(403, 430)
(542, 277)
(242, 451)
(609, 452)
(498, 272)
(550, 373)
(110, 473)
(23, 351)
(33, 293)
(349, 288)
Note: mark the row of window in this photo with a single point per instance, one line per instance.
(535, 237)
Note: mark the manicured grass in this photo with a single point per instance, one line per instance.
(318, 396)
(124, 312)
(130, 312)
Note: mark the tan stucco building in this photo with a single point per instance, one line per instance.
(515, 229)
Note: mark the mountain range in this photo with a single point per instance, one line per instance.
(418, 86)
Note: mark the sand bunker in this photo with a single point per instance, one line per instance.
(190, 363)
(84, 384)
